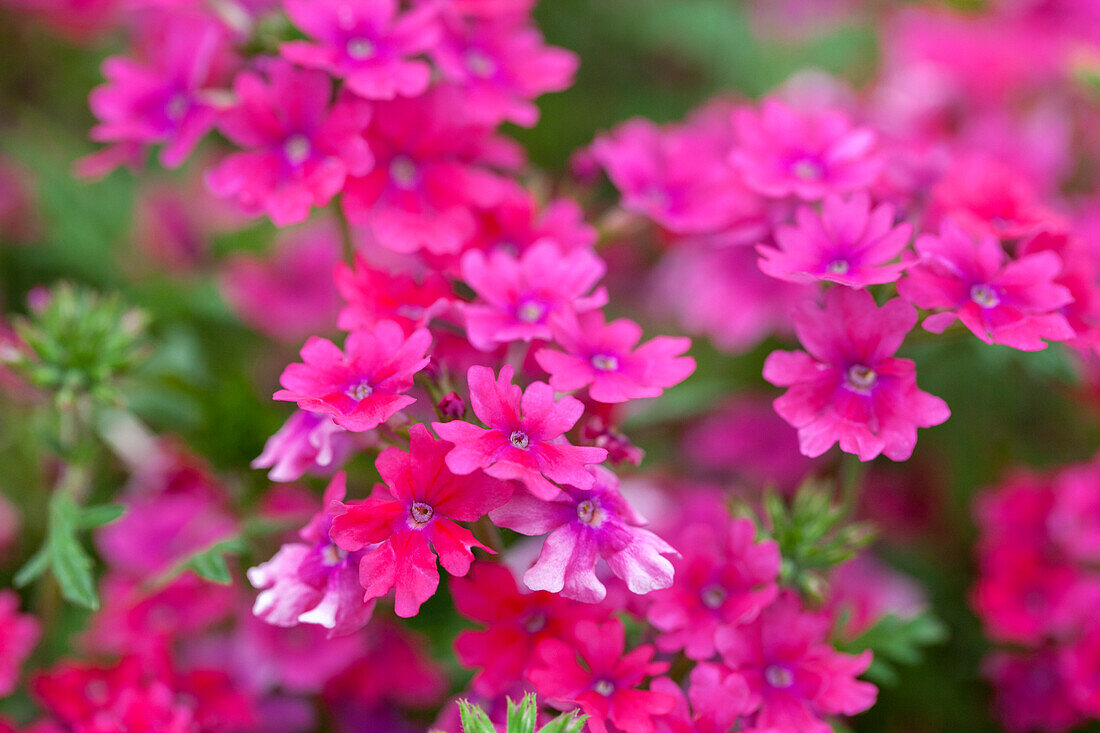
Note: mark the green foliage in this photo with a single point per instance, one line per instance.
(896, 641)
(62, 552)
(209, 563)
(522, 718)
(78, 343)
(813, 535)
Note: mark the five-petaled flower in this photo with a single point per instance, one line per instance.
(425, 500)
(365, 384)
(848, 386)
(525, 435)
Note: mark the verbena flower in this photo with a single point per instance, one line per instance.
(848, 387)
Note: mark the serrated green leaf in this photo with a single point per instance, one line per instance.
(474, 719)
(522, 718)
(71, 564)
(32, 569)
(98, 516)
(570, 722)
(896, 641)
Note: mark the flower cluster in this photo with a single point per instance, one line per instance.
(1037, 593)
(479, 377)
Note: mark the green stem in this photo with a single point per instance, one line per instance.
(850, 475)
(345, 235)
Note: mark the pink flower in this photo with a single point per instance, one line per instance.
(583, 526)
(1074, 520)
(1031, 692)
(783, 151)
(987, 199)
(427, 499)
(514, 625)
(602, 356)
(289, 295)
(314, 582)
(793, 675)
(719, 292)
(362, 386)
(500, 67)
(365, 43)
(164, 101)
(850, 388)
(1080, 665)
(433, 172)
(718, 583)
(373, 295)
(847, 243)
(19, 634)
(307, 442)
(298, 148)
(679, 176)
(521, 294)
(126, 697)
(525, 438)
(517, 222)
(605, 683)
(1013, 303)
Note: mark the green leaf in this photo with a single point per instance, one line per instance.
(70, 562)
(474, 719)
(210, 564)
(33, 568)
(522, 718)
(98, 516)
(895, 641)
(570, 722)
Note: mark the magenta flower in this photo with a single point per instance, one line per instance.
(19, 634)
(847, 243)
(794, 677)
(718, 583)
(433, 172)
(514, 623)
(602, 356)
(583, 526)
(165, 100)
(362, 386)
(525, 438)
(307, 442)
(849, 387)
(1015, 303)
(500, 67)
(287, 295)
(366, 43)
(518, 221)
(604, 682)
(314, 582)
(521, 294)
(427, 499)
(679, 176)
(373, 295)
(298, 148)
(783, 151)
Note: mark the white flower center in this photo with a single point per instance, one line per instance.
(605, 362)
(332, 555)
(421, 513)
(838, 267)
(807, 170)
(360, 391)
(530, 311)
(519, 439)
(604, 687)
(297, 149)
(861, 378)
(360, 48)
(985, 296)
(779, 676)
(480, 64)
(713, 596)
(586, 511)
(403, 172)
